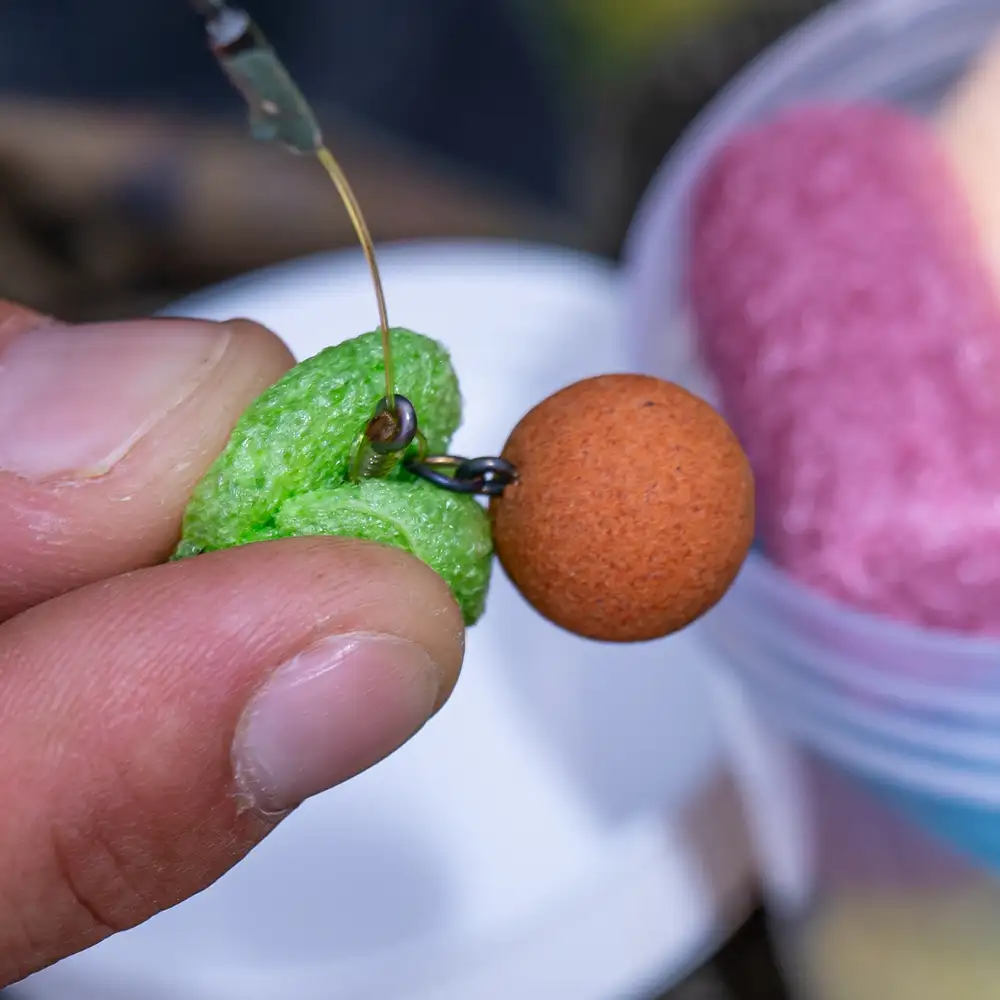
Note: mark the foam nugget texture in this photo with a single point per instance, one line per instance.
(284, 471)
(848, 317)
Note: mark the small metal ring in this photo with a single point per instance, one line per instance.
(487, 476)
(491, 469)
(405, 417)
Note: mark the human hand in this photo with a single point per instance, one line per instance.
(157, 721)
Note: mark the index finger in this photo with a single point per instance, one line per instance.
(104, 431)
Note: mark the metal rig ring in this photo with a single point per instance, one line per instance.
(405, 420)
(482, 476)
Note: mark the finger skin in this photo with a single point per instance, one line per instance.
(16, 319)
(118, 708)
(55, 537)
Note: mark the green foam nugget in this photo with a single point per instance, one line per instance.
(284, 472)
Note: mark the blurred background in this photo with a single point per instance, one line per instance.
(127, 178)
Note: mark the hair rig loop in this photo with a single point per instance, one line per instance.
(395, 427)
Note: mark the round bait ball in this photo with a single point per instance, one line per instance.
(633, 509)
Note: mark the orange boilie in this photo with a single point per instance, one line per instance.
(633, 510)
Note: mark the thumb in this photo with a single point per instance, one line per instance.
(154, 727)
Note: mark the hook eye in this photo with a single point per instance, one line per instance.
(392, 430)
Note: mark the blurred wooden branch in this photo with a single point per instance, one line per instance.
(133, 200)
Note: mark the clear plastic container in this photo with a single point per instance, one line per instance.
(868, 752)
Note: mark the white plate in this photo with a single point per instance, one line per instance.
(528, 843)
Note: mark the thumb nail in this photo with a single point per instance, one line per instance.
(329, 713)
(74, 400)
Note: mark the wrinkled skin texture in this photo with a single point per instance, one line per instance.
(284, 472)
(132, 692)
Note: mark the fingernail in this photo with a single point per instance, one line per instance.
(74, 400)
(328, 714)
